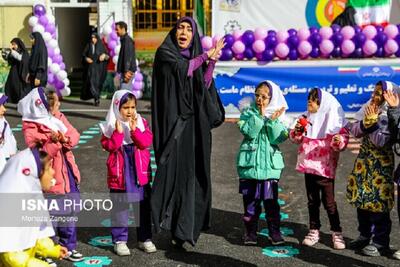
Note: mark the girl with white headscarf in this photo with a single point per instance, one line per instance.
(370, 185)
(260, 162)
(321, 137)
(127, 137)
(8, 144)
(57, 137)
(27, 174)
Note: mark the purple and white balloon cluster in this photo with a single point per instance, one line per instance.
(114, 46)
(44, 23)
(326, 42)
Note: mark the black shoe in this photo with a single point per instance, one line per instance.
(249, 240)
(276, 239)
(74, 256)
(177, 242)
(373, 250)
(97, 103)
(360, 242)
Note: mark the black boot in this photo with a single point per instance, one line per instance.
(275, 235)
(250, 236)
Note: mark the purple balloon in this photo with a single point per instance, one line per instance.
(229, 40)
(114, 36)
(359, 39)
(292, 32)
(397, 53)
(397, 39)
(315, 39)
(60, 85)
(336, 28)
(271, 33)
(112, 44)
(379, 28)
(315, 52)
(248, 38)
(248, 53)
(239, 56)
(57, 59)
(51, 28)
(39, 10)
(358, 53)
(43, 20)
(357, 29)
(293, 54)
(50, 78)
(380, 52)
(268, 55)
(50, 52)
(62, 66)
(293, 41)
(226, 54)
(271, 42)
(259, 57)
(337, 39)
(137, 86)
(381, 39)
(337, 52)
(314, 30)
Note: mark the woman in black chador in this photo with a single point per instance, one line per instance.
(185, 107)
(94, 59)
(16, 86)
(38, 61)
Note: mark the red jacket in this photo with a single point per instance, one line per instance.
(34, 132)
(115, 161)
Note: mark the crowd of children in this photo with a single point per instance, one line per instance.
(322, 132)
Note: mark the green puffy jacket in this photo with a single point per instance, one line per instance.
(259, 155)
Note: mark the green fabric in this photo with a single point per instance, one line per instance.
(259, 156)
(198, 16)
(367, 3)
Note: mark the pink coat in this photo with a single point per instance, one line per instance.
(34, 132)
(115, 161)
(319, 156)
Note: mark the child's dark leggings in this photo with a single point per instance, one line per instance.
(322, 189)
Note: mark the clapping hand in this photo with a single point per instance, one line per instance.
(277, 113)
(391, 98)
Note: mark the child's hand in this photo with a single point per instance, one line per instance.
(133, 123)
(118, 126)
(54, 137)
(336, 139)
(63, 252)
(391, 98)
(62, 138)
(277, 113)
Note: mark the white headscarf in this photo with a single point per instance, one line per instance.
(9, 145)
(329, 118)
(386, 86)
(34, 107)
(113, 115)
(21, 175)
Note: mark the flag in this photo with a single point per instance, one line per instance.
(198, 16)
(376, 12)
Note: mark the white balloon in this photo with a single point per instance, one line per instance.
(55, 68)
(61, 75)
(49, 61)
(50, 18)
(53, 43)
(66, 91)
(115, 59)
(38, 28)
(107, 30)
(47, 37)
(137, 94)
(33, 21)
(66, 82)
(117, 49)
(57, 51)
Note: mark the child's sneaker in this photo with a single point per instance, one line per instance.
(311, 238)
(396, 255)
(276, 238)
(249, 240)
(147, 247)
(74, 256)
(373, 250)
(360, 242)
(338, 241)
(121, 249)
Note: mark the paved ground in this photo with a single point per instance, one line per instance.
(222, 245)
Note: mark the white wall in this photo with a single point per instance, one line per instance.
(122, 10)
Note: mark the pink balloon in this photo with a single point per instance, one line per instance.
(206, 42)
(348, 47)
(237, 34)
(216, 38)
(369, 31)
(112, 44)
(304, 48)
(370, 47)
(239, 56)
(282, 50)
(391, 31)
(238, 47)
(259, 46)
(347, 32)
(326, 32)
(303, 34)
(260, 33)
(391, 47)
(326, 47)
(282, 36)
